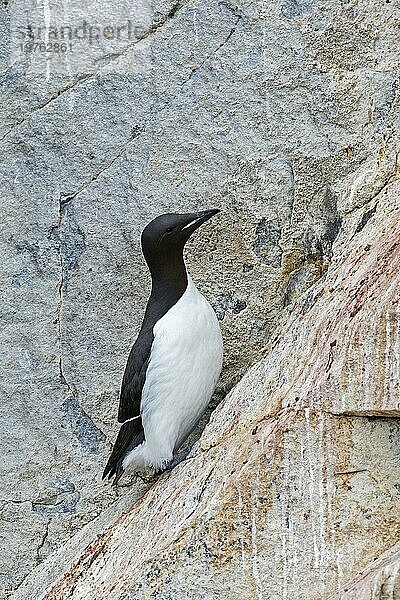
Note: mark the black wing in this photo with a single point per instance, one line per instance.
(131, 433)
(135, 376)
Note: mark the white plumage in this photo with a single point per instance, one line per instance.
(184, 367)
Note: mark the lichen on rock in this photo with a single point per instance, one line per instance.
(293, 487)
(286, 116)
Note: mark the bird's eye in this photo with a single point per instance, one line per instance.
(170, 229)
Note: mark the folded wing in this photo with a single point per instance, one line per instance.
(131, 433)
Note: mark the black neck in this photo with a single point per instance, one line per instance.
(169, 282)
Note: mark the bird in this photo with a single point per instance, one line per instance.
(175, 363)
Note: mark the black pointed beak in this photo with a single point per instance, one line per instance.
(197, 219)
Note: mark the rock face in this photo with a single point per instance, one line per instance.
(379, 581)
(293, 488)
(285, 115)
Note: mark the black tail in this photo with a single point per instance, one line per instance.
(130, 435)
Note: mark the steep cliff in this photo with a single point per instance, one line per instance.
(294, 486)
(285, 114)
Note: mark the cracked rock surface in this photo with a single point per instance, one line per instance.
(286, 116)
(293, 489)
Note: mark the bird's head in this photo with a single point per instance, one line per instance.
(164, 238)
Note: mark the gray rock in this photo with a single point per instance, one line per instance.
(293, 488)
(284, 115)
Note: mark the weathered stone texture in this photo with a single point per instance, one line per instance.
(293, 487)
(285, 115)
(379, 581)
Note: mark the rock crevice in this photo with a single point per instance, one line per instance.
(292, 490)
(285, 117)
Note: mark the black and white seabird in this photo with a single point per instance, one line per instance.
(175, 363)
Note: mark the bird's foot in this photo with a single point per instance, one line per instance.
(178, 458)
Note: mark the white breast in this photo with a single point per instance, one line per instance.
(184, 367)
